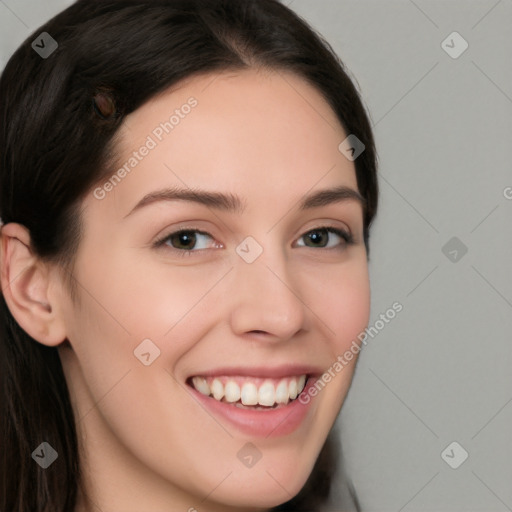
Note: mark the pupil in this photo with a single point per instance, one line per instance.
(186, 237)
(314, 235)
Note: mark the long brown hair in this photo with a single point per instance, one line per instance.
(56, 143)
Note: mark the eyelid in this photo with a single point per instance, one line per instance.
(327, 224)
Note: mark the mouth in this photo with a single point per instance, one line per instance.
(255, 393)
(260, 401)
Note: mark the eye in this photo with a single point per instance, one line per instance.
(319, 237)
(184, 241)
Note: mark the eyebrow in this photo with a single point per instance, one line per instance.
(231, 203)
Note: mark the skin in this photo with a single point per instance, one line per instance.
(270, 138)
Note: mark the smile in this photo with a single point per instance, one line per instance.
(260, 404)
(253, 392)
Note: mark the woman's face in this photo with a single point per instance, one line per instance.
(258, 290)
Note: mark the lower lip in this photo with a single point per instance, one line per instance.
(262, 422)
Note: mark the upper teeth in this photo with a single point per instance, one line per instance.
(233, 389)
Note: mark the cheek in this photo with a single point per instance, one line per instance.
(353, 309)
(131, 298)
(124, 303)
(341, 299)
(343, 307)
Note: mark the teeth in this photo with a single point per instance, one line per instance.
(217, 389)
(232, 391)
(301, 384)
(268, 394)
(282, 393)
(201, 385)
(249, 395)
(292, 389)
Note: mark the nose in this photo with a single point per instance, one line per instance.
(265, 299)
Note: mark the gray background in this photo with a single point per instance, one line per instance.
(440, 370)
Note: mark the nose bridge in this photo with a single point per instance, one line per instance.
(265, 295)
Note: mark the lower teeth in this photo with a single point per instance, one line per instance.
(257, 407)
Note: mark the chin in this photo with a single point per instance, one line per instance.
(267, 484)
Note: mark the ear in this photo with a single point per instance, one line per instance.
(28, 287)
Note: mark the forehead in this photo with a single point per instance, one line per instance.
(259, 134)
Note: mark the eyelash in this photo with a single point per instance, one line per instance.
(345, 235)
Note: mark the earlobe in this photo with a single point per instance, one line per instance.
(26, 283)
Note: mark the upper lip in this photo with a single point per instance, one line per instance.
(274, 372)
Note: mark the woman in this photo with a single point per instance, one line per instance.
(187, 188)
